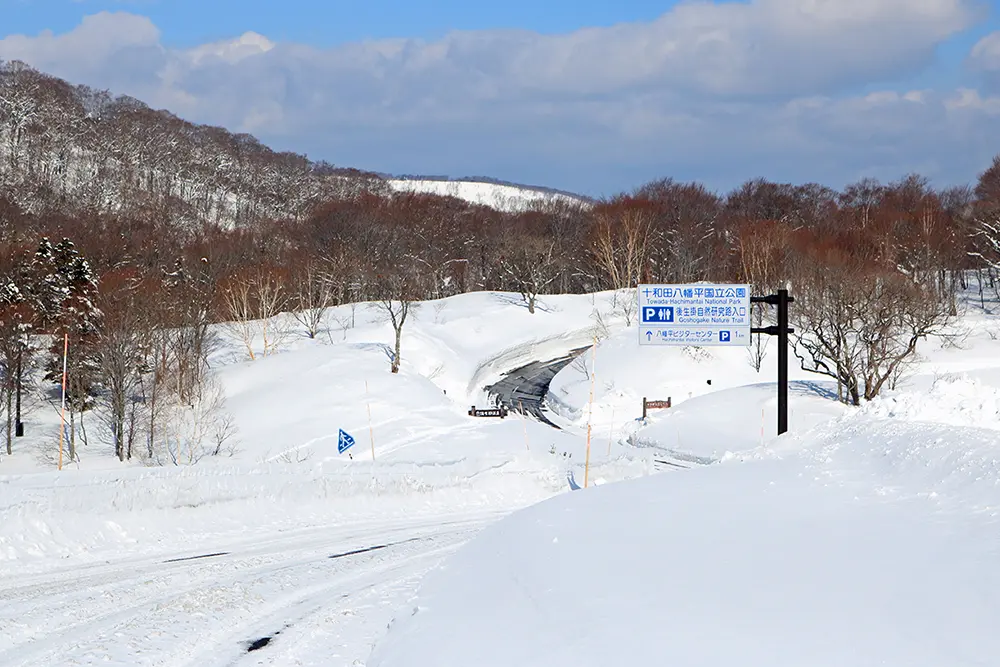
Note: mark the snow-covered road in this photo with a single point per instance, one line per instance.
(319, 596)
(524, 389)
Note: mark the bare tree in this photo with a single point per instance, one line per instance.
(121, 349)
(253, 299)
(315, 290)
(760, 250)
(190, 432)
(620, 245)
(625, 303)
(530, 267)
(397, 295)
(757, 350)
(861, 325)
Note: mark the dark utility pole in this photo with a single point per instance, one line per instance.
(18, 425)
(781, 300)
(783, 330)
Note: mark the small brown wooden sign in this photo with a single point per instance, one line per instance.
(653, 405)
(489, 412)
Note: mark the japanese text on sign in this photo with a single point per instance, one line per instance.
(699, 314)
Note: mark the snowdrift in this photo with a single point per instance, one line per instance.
(869, 540)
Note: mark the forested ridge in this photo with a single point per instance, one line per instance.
(130, 231)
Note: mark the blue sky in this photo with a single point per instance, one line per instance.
(326, 23)
(595, 97)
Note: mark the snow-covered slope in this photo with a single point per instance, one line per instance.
(508, 198)
(289, 407)
(867, 541)
(862, 537)
(859, 524)
(720, 403)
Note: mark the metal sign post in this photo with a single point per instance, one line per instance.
(703, 314)
(781, 330)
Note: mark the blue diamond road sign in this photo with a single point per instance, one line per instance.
(344, 442)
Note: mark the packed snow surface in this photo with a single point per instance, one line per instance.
(864, 536)
(874, 543)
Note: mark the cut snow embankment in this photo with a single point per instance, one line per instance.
(870, 540)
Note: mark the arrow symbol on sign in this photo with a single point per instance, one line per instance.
(649, 335)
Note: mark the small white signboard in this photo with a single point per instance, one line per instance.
(695, 314)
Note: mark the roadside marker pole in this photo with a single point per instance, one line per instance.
(62, 416)
(371, 431)
(590, 413)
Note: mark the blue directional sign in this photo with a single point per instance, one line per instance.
(694, 314)
(344, 442)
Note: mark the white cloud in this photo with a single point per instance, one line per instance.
(89, 48)
(723, 91)
(230, 51)
(986, 53)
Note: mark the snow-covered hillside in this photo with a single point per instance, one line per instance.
(508, 198)
(860, 523)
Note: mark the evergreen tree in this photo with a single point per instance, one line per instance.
(15, 354)
(64, 294)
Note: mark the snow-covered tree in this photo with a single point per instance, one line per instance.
(15, 353)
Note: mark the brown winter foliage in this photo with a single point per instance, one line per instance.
(183, 225)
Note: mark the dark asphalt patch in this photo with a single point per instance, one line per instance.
(359, 551)
(258, 644)
(524, 389)
(365, 550)
(178, 560)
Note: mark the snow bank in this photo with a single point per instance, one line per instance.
(720, 403)
(953, 399)
(713, 426)
(841, 550)
(87, 514)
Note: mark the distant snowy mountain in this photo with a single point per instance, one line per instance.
(115, 154)
(503, 196)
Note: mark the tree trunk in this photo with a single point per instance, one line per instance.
(118, 419)
(395, 356)
(151, 439)
(72, 439)
(10, 423)
(17, 419)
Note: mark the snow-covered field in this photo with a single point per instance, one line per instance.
(864, 536)
(496, 195)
